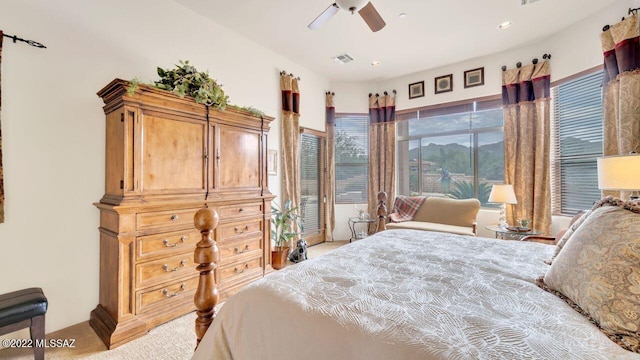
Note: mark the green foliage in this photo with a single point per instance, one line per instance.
(348, 150)
(457, 160)
(284, 224)
(186, 80)
(133, 85)
(251, 109)
(464, 190)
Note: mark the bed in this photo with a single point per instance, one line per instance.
(409, 294)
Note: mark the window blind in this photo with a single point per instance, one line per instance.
(311, 183)
(352, 158)
(576, 116)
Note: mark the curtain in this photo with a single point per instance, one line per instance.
(382, 148)
(290, 139)
(621, 82)
(1, 171)
(526, 103)
(330, 215)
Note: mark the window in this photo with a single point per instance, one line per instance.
(352, 158)
(312, 172)
(455, 151)
(576, 118)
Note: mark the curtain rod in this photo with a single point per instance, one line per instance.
(284, 73)
(534, 61)
(30, 42)
(385, 93)
(631, 12)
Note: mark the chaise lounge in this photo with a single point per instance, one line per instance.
(439, 214)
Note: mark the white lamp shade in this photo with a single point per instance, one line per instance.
(503, 194)
(619, 172)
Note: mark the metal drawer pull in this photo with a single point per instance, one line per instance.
(174, 217)
(166, 292)
(240, 271)
(241, 210)
(166, 267)
(238, 231)
(182, 240)
(238, 251)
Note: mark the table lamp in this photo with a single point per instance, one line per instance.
(503, 194)
(620, 172)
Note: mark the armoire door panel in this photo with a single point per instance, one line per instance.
(238, 147)
(171, 151)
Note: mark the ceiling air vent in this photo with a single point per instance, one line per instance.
(527, 2)
(343, 58)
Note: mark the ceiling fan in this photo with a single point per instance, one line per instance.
(368, 12)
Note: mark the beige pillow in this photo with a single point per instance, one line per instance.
(599, 270)
(567, 234)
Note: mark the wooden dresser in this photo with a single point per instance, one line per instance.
(167, 157)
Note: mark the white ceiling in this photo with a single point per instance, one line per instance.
(434, 33)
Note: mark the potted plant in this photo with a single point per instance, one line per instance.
(284, 223)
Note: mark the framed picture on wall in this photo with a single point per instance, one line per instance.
(474, 77)
(443, 83)
(272, 162)
(416, 90)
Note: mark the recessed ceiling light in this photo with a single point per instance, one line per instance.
(505, 25)
(375, 63)
(402, 15)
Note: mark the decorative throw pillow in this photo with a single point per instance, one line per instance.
(405, 207)
(599, 270)
(567, 234)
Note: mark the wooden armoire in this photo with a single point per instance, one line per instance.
(167, 157)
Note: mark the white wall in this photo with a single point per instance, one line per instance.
(573, 49)
(53, 124)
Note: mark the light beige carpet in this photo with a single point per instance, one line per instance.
(173, 340)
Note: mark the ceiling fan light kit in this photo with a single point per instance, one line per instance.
(351, 5)
(368, 13)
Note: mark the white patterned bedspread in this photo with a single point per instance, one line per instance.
(406, 294)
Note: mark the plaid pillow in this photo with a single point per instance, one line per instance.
(405, 207)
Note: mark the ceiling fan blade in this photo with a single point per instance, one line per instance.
(371, 17)
(324, 17)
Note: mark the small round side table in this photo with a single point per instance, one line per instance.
(372, 227)
(506, 234)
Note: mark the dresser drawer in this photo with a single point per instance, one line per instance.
(179, 218)
(166, 243)
(229, 251)
(228, 212)
(240, 229)
(239, 270)
(149, 299)
(157, 271)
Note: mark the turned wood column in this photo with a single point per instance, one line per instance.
(206, 256)
(382, 211)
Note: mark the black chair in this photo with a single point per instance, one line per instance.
(21, 309)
